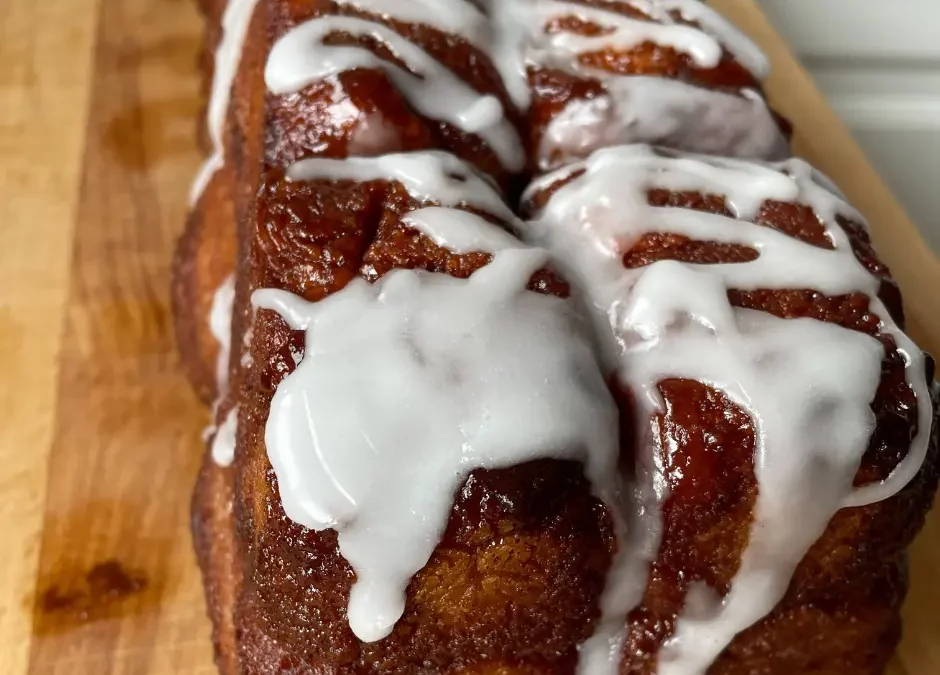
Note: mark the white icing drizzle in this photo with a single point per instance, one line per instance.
(745, 50)
(807, 385)
(454, 17)
(636, 108)
(669, 112)
(460, 231)
(301, 58)
(220, 325)
(521, 38)
(428, 176)
(408, 384)
(235, 23)
(223, 444)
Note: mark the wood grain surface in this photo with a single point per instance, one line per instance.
(99, 432)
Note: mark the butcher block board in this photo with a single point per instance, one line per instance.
(99, 432)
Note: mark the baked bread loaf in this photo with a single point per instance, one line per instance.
(667, 424)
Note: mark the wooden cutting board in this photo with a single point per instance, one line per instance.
(99, 432)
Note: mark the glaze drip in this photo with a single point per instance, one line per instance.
(810, 407)
(635, 108)
(223, 443)
(460, 231)
(455, 17)
(522, 38)
(301, 57)
(427, 176)
(235, 23)
(220, 325)
(409, 384)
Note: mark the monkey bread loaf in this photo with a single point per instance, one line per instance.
(508, 380)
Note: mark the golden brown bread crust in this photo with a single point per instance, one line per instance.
(214, 540)
(204, 259)
(513, 587)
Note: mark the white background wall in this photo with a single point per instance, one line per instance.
(878, 62)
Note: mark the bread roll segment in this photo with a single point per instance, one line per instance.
(741, 305)
(592, 73)
(544, 561)
(286, 601)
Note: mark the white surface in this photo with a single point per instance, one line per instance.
(867, 28)
(223, 445)
(878, 63)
